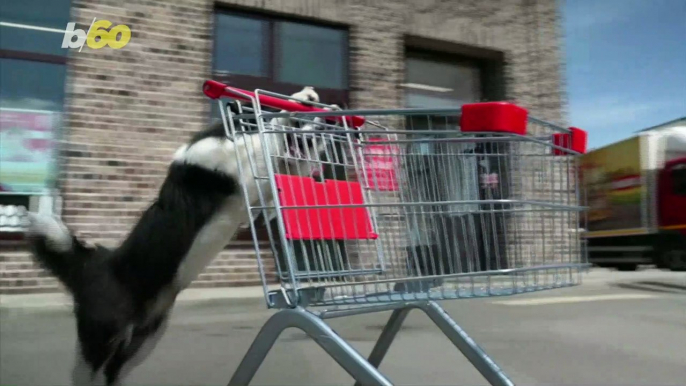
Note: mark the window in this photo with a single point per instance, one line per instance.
(437, 83)
(280, 55)
(31, 85)
(679, 179)
(441, 81)
(244, 56)
(34, 26)
(32, 80)
(444, 80)
(31, 98)
(311, 55)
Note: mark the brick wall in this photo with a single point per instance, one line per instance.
(127, 110)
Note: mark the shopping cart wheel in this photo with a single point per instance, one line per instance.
(675, 258)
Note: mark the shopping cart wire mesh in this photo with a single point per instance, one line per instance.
(390, 209)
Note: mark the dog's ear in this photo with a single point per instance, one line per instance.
(233, 106)
(312, 95)
(216, 130)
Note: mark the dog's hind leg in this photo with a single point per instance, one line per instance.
(89, 362)
(99, 337)
(141, 344)
(83, 373)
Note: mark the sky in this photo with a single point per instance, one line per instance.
(625, 65)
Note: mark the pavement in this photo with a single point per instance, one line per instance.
(618, 328)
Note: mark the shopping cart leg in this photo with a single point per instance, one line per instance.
(489, 369)
(482, 362)
(387, 336)
(344, 354)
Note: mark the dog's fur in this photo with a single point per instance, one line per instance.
(123, 296)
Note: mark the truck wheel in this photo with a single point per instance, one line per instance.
(627, 267)
(661, 263)
(675, 259)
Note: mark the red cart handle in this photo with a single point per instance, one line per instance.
(216, 90)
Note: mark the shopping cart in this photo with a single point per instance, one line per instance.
(397, 209)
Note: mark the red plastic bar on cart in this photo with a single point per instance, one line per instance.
(493, 117)
(215, 90)
(326, 221)
(576, 140)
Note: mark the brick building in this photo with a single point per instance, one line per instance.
(118, 115)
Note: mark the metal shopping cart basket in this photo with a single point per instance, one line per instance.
(397, 209)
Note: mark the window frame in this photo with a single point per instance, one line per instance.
(675, 172)
(340, 97)
(33, 56)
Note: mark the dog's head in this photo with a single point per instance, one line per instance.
(307, 94)
(302, 143)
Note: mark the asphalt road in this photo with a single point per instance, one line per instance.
(616, 329)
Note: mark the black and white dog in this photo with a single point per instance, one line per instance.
(123, 296)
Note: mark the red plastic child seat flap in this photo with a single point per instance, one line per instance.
(324, 223)
(493, 117)
(576, 140)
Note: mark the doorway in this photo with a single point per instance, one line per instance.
(464, 237)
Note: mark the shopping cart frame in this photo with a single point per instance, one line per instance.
(364, 370)
(293, 311)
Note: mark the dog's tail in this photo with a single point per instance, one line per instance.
(57, 249)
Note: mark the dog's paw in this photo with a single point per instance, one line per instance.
(56, 234)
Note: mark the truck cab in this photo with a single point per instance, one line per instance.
(671, 197)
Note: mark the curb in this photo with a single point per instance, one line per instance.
(191, 296)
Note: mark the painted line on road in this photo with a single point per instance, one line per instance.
(572, 299)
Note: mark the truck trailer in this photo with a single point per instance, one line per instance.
(635, 190)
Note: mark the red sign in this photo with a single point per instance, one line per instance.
(489, 180)
(381, 163)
